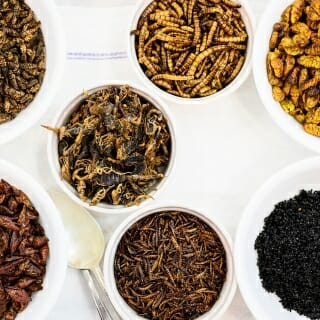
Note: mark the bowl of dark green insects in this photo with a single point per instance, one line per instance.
(170, 262)
(191, 52)
(112, 148)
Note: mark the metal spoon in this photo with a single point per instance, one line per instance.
(86, 245)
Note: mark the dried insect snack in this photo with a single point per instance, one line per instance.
(115, 147)
(288, 253)
(24, 251)
(22, 57)
(190, 48)
(293, 63)
(170, 265)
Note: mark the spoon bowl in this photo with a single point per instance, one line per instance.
(86, 246)
(85, 237)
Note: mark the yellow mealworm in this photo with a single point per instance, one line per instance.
(241, 38)
(187, 28)
(180, 60)
(231, 3)
(208, 10)
(212, 32)
(143, 32)
(190, 10)
(170, 62)
(197, 29)
(224, 25)
(172, 77)
(177, 9)
(204, 42)
(236, 69)
(172, 47)
(204, 55)
(164, 84)
(208, 93)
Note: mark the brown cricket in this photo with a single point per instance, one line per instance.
(24, 251)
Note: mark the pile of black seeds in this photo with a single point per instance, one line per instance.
(289, 253)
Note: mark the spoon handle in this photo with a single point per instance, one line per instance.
(101, 299)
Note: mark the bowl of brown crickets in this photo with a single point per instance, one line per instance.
(31, 63)
(192, 52)
(169, 262)
(112, 148)
(32, 246)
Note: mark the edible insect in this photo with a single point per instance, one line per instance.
(22, 58)
(293, 63)
(170, 265)
(115, 148)
(177, 44)
(24, 251)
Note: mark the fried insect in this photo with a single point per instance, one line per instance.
(115, 148)
(177, 43)
(278, 94)
(293, 63)
(23, 251)
(297, 10)
(22, 62)
(170, 265)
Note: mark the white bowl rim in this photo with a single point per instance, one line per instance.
(240, 264)
(230, 285)
(59, 254)
(230, 88)
(103, 208)
(286, 122)
(28, 117)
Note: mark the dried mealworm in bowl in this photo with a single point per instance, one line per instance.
(169, 262)
(190, 50)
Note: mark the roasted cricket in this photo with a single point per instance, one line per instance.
(115, 148)
(191, 48)
(293, 63)
(170, 265)
(24, 251)
(22, 58)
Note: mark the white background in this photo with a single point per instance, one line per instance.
(225, 150)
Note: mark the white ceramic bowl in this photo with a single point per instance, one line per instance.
(119, 303)
(47, 13)
(44, 300)
(102, 208)
(261, 47)
(248, 19)
(284, 185)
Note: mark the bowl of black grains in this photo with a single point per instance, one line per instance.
(277, 245)
(31, 63)
(169, 262)
(191, 52)
(112, 148)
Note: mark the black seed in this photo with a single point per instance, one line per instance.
(289, 253)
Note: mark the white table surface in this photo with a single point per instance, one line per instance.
(225, 151)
